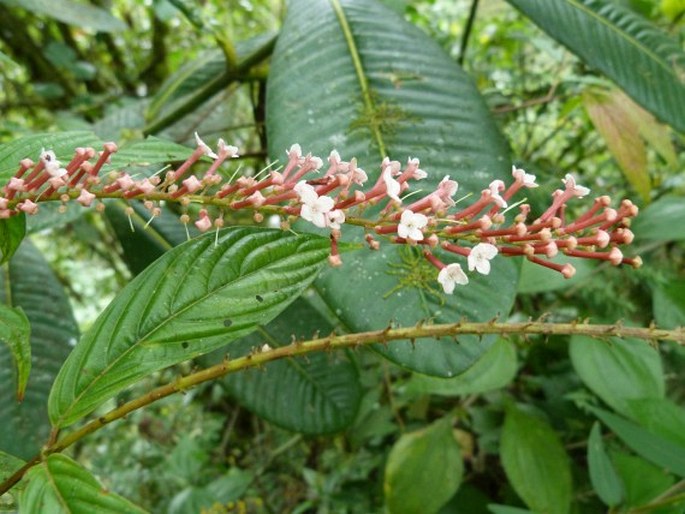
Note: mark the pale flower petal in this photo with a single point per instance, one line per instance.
(411, 224)
(450, 276)
(480, 256)
(205, 148)
(392, 186)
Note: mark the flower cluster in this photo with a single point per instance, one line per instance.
(339, 194)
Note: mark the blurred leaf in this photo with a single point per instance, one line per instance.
(225, 489)
(8, 465)
(672, 9)
(538, 279)
(644, 61)
(73, 13)
(660, 416)
(643, 480)
(655, 223)
(12, 232)
(659, 450)
(423, 471)
(30, 284)
(394, 92)
(62, 143)
(495, 369)
(619, 371)
(605, 480)
(197, 297)
(668, 303)
(608, 111)
(152, 150)
(504, 509)
(536, 463)
(316, 394)
(15, 332)
(60, 485)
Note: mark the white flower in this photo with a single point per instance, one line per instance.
(479, 258)
(411, 224)
(52, 165)
(357, 175)
(228, 150)
(392, 186)
(417, 174)
(495, 187)
(295, 152)
(447, 189)
(571, 185)
(451, 275)
(306, 192)
(336, 218)
(205, 148)
(317, 210)
(520, 175)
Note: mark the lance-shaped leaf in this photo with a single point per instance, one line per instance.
(367, 83)
(313, 395)
(29, 283)
(196, 298)
(643, 60)
(59, 485)
(15, 331)
(605, 480)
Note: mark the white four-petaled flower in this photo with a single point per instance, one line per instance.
(526, 179)
(480, 256)
(411, 224)
(450, 276)
(570, 183)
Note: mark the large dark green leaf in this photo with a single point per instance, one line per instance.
(536, 463)
(365, 82)
(644, 61)
(29, 283)
(74, 13)
(605, 480)
(59, 485)
(313, 395)
(62, 143)
(619, 371)
(424, 470)
(12, 232)
(197, 297)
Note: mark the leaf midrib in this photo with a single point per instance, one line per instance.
(134, 346)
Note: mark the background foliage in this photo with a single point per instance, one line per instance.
(546, 425)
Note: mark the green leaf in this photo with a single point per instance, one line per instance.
(62, 143)
(643, 480)
(660, 416)
(538, 279)
(142, 246)
(668, 303)
(30, 284)
(605, 480)
(15, 331)
(655, 223)
(423, 471)
(152, 150)
(505, 509)
(536, 463)
(313, 395)
(609, 112)
(494, 370)
(12, 232)
(640, 58)
(73, 13)
(9, 464)
(60, 485)
(395, 93)
(196, 298)
(659, 450)
(619, 371)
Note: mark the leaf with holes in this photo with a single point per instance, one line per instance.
(59, 485)
(196, 298)
(644, 61)
(313, 395)
(29, 283)
(370, 92)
